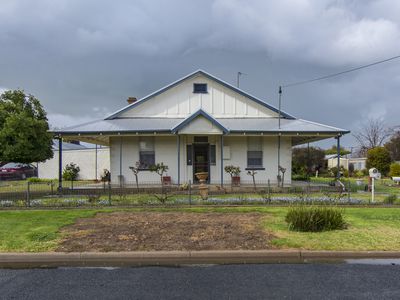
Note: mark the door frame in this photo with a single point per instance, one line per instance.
(207, 146)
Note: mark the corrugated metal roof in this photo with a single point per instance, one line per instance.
(232, 124)
(68, 146)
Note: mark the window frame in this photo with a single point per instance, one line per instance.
(196, 89)
(151, 153)
(256, 153)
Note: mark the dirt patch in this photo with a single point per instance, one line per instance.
(152, 231)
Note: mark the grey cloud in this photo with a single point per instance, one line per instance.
(84, 58)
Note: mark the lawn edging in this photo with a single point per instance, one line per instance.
(175, 258)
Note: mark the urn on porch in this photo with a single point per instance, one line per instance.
(203, 188)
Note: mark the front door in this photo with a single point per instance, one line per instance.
(201, 159)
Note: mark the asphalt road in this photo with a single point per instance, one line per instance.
(307, 281)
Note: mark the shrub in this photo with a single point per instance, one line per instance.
(301, 177)
(315, 218)
(390, 199)
(106, 176)
(39, 180)
(379, 157)
(394, 170)
(71, 171)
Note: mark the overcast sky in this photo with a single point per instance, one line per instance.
(82, 59)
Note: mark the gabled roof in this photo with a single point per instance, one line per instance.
(209, 76)
(196, 114)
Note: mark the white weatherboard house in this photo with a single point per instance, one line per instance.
(200, 123)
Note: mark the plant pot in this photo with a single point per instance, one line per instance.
(166, 180)
(235, 180)
(202, 177)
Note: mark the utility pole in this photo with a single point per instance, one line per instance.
(280, 103)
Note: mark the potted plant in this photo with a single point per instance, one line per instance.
(160, 169)
(234, 172)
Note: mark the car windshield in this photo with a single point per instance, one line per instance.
(12, 165)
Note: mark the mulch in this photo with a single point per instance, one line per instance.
(167, 231)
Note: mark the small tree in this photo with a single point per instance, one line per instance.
(136, 170)
(160, 169)
(394, 170)
(379, 157)
(232, 170)
(71, 172)
(253, 173)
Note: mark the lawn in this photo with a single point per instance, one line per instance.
(35, 231)
(369, 228)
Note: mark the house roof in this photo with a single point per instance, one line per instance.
(169, 125)
(196, 73)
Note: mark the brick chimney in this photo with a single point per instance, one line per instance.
(131, 100)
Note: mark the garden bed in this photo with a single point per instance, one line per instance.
(155, 231)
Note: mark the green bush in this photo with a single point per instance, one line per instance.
(394, 170)
(301, 177)
(70, 172)
(390, 199)
(379, 157)
(39, 180)
(315, 218)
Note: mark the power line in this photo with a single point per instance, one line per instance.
(340, 73)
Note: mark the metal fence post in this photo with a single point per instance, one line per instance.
(190, 192)
(269, 190)
(109, 193)
(52, 187)
(28, 188)
(349, 191)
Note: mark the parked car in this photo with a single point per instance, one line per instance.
(17, 171)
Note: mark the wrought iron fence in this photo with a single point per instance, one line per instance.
(91, 193)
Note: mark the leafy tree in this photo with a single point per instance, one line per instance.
(333, 150)
(394, 169)
(23, 129)
(379, 157)
(393, 145)
(305, 162)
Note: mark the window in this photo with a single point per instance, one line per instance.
(146, 152)
(189, 153)
(212, 154)
(254, 152)
(200, 88)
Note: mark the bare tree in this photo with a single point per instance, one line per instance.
(373, 133)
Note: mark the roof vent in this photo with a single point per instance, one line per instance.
(131, 100)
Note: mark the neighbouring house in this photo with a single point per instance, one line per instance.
(91, 159)
(200, 123)
(359, 163)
